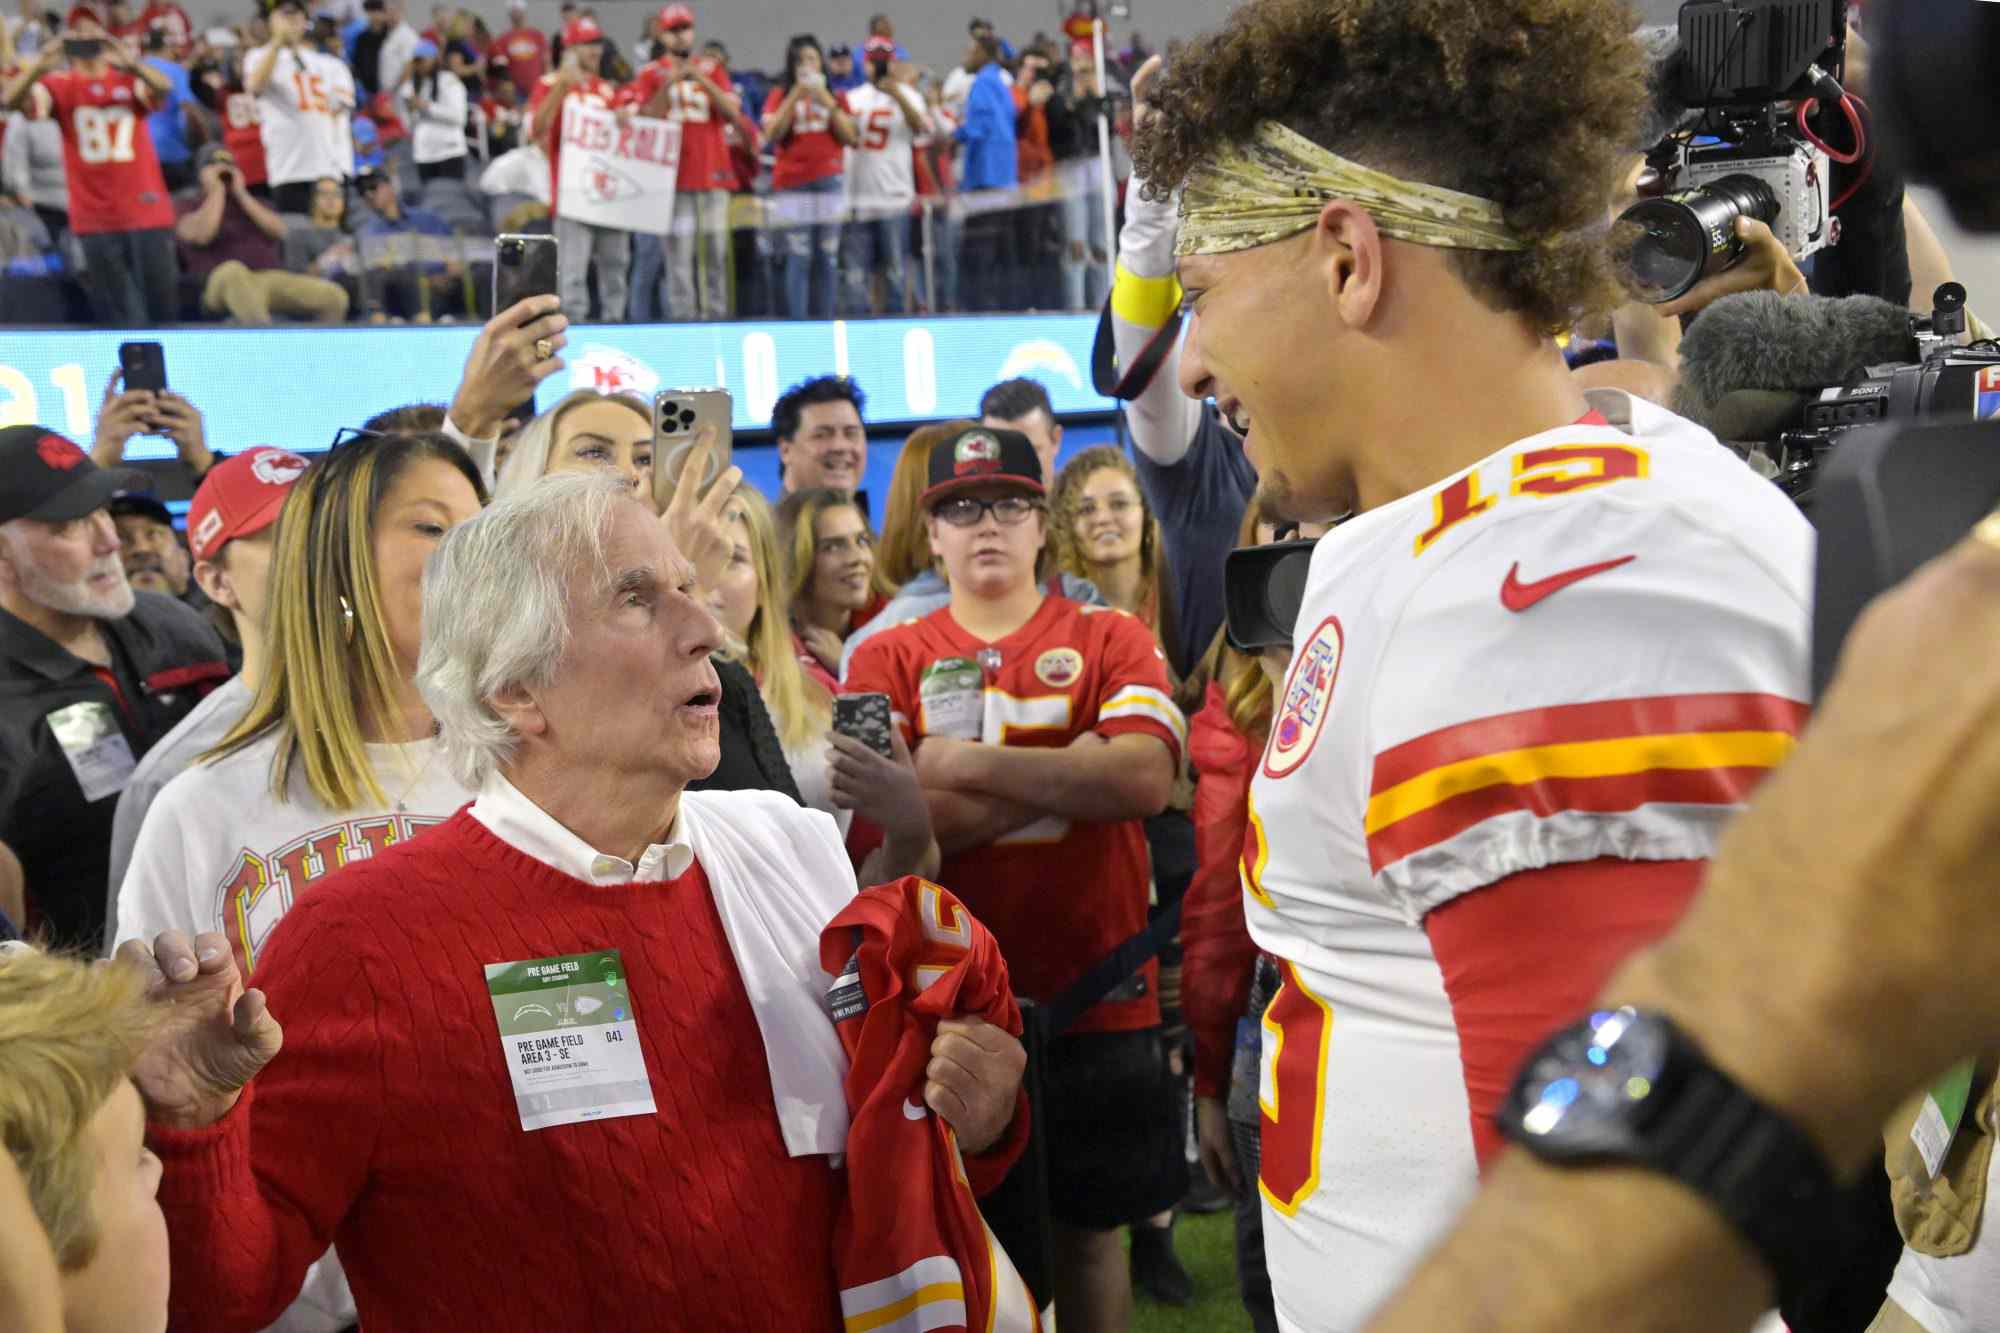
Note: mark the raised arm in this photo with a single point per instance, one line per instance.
(15, 94)
(1144, 296)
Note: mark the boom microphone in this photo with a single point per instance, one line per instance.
(1781, 344)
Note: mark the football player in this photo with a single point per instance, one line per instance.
(1556, 644)
(1044, 734)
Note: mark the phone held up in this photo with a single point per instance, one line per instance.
(524, 266)
(865, 718)
(682, 419)
(144, 366)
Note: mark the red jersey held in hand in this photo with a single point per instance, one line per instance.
(1058, 894)
(910, 1248)
(114, 175)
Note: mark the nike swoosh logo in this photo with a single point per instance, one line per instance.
(1518, 596)
(915, 1110)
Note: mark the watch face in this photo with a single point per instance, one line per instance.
(1592, 1085)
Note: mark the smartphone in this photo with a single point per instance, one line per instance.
(523, 266)
(82, 48)
(865, 718)
(144, 366)
(679, 416)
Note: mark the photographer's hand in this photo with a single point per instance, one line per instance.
(1766, 266)
(120, 416)
(177, 419)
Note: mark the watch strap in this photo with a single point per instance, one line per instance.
(1757, 1168)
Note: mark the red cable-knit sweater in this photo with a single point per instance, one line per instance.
(388, 1126)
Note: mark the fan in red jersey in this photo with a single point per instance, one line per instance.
(1044, 734)
(696, 93)
(118, 202)
(583, 56)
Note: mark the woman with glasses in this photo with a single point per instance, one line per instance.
(829, 571)
(834, 773)
(1105, 532)
(336, 758)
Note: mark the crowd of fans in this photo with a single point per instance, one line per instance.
(325, 162)
(483, 687)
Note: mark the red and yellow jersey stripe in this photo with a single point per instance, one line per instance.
(1599, 758)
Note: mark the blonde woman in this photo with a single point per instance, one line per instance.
(77, 1184)
(830, 578)
(833, 773)
(1105, 532)
(336, 758)
(585, 429)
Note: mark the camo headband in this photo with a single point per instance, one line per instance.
(1275, 186)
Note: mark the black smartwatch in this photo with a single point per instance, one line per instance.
(1626, 1087)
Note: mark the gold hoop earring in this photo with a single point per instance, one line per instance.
(346, 620)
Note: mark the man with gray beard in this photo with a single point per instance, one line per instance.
(91, 674)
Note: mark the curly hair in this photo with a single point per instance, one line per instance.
(1065, 500)
(1534, 104)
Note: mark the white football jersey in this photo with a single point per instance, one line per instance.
(1591, 644)
(304, 112)
(880, 168)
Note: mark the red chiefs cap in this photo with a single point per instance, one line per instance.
(49, 477)
(676, 16)
(879, 45)
(240, 497)
(979, 455)
(581, 31)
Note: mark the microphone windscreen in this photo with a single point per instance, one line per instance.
(1755, 414)
(1761, 340)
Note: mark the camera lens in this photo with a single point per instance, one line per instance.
(510, 252)
(687, 420)
(1675, 241)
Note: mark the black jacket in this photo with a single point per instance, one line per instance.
(752, 758)
(164, 658)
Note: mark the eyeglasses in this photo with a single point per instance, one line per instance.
(347, 435)
(965, 512)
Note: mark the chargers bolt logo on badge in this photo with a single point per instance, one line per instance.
(1308, 699)
(1058, 667)
(976, 452)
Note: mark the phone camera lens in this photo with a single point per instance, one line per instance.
(687, 419)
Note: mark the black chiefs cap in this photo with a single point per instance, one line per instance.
(46, 476)
(979, 455)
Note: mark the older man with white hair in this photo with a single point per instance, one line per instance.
(519, 1085)
(91, 674)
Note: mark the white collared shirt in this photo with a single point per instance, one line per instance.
(526, 827)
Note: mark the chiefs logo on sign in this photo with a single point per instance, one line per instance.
(58, 453)
(1308, 698)
(605, 184)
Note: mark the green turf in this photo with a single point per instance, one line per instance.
(1207, 1247)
